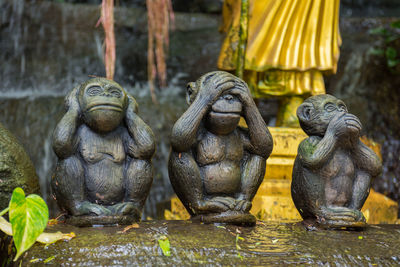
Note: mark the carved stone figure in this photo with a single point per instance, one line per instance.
(216, 166)
(333, 170)
(104, 171)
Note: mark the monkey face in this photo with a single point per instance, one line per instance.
(224, 114)
(103, 104)
(317, 111)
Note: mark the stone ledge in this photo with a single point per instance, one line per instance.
(265, 244)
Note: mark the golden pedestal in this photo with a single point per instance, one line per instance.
(273, 200)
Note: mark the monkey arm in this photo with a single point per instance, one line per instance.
(313, 154)
(369, 166)
(184, 132)
(253, 170)
(64, 137)
(361, 186)
(367, 160)
(141, 144)
(258, 138)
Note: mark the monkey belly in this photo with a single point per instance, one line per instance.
(105, 182)
(340, 175)
(222, 177)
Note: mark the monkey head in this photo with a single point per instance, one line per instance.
(317, 111)
(226, 108)
(224, 114)
(103, 104)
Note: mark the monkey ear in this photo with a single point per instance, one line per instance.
(190, 91)
(304, 111)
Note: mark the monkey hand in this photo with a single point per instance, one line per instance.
(71, 101)
(132, 104)
(242, 91)
(353, 126)
(215, 86)
(344, 124)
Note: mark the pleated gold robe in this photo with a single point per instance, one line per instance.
(290, 44)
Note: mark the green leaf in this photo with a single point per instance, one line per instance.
(391, 38)
(396, 24)
(391, 53)
(49, 259)
(378, 31)
(376, 51)
(28, 217)
(163, 242)
(393, 62)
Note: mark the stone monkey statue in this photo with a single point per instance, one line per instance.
(333, 170)
(216, 166)
(104, 170)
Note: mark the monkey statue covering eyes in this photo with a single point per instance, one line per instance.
(333, 170)
(216, 166)
(104, 150)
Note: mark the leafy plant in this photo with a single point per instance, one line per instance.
(165, 246)
(28, 218)
(385, 48)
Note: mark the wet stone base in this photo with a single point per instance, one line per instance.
(216, 245)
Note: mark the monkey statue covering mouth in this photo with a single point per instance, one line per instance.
(333, 169)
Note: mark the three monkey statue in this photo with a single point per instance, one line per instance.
(104, 149)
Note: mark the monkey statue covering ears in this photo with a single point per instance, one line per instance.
(104, 150)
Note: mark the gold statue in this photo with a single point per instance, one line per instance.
(290, 45)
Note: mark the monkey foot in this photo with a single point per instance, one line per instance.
(87, 220)
(228, 217)
(322, 223)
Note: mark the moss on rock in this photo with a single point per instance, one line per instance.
(16, 169)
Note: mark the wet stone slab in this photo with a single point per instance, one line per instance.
(216, 245)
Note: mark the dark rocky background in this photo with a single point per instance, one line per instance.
(47, 47)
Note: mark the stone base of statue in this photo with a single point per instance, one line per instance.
(339, 224)
(229, 217)
(273, 200)
(85, 221)
(197, 244)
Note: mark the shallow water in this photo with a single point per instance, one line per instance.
(199, 244)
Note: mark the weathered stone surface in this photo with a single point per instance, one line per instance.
(202, 244)
(16, 169)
